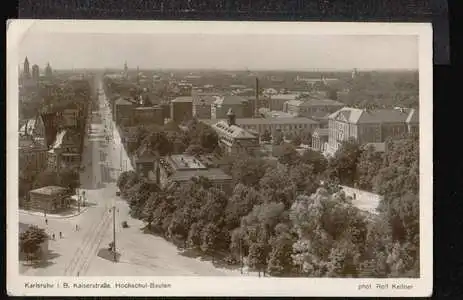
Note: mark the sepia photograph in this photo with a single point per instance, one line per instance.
(229, 154)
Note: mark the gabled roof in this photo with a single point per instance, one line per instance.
(233, 130)
(361, 116)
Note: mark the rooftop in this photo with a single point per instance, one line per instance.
(148, 108)
(285, 96)
(185, 162)
(122, 101)
(315, 102)
(233, 130)
(50, 190)
(363, 116)
(204, 99)
(213, 174)
(230, 100)
(182, 99)
(263, 121)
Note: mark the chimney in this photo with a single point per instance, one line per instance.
(231, 117)
(256, 108)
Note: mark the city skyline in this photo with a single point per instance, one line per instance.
(195, 51)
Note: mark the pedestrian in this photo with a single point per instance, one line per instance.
(46, 221)
(60, 235)
(53, 236)
(77, 227)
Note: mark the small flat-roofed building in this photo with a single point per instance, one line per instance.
(182, 168)
(49, 199)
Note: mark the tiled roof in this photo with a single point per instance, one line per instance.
(315, 102)
(233, 130)
(360, 116)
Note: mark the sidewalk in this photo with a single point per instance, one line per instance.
(54, 216)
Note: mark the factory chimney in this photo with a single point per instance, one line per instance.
(256, 105)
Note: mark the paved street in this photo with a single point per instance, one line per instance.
(75, 254)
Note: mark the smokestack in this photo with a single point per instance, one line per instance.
(256, 108)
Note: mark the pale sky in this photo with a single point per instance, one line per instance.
(238, 51)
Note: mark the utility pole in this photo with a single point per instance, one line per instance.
(241, 255)
(114, 233)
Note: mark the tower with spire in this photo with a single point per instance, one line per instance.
(48, 71)
(26, 69)
(126, 70)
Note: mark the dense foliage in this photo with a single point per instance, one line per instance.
(30, 241)
(194, 138)
(280, 221)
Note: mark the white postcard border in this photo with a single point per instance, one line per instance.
(227, 286)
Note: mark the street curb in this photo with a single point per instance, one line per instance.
(51, 216)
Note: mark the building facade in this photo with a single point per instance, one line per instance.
(148, 115)
(202, 104)
(277, 102)
(369, 126)
(181, 109)
(320, 139)
(123, 111)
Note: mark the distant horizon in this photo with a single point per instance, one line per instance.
(236, 70)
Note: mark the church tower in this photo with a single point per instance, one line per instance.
(26, 69)
(126, 70)
(48, 71)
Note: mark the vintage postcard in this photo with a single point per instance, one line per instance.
(219, 158)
